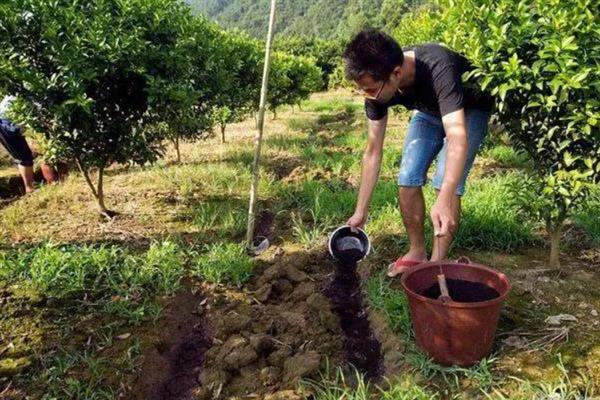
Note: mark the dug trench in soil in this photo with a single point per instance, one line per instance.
(170, 368)
(362, 348)
(275, 331)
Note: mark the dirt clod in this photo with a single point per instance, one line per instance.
(263, 293)
(234, 322)
(269, 336)
(301, 365)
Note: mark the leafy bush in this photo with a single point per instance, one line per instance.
(292, 80)
(540, 60)
(90, 74)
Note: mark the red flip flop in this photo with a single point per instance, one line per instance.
(400, 266)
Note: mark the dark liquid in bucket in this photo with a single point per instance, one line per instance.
(463, 291)
(349, 256)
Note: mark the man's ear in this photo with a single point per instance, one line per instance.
(397, 72)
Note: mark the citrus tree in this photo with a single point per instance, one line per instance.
(89, 73)
(181, 90)
(238, 71)
(292, 80)
(325, 53)
(419, 25)
(541, 61)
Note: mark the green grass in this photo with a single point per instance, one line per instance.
(301, 124)
(588, 220)
(219, 218)
(507, 156)
(66, 271)
(337, 387)
(331, 105)
(82, 376)
(563, 388)
(489, 220)
(329, 201)
(392, 303)
(224, 263)
(91, 294)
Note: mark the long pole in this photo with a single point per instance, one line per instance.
(259, 135)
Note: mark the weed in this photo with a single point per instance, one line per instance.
(224, 262)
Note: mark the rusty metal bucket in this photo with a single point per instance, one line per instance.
(454, 333)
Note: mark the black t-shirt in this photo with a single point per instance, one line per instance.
(438, 89)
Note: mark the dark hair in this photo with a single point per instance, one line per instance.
(372, 52)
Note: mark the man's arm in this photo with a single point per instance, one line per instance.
(456, 156)
(371, 163)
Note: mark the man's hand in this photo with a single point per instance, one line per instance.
(358, 220)
(442, 217)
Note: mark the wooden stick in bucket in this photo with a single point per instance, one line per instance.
(441, 278)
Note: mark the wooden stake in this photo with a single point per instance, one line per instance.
(259, 135)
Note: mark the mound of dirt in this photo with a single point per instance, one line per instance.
(280, 329)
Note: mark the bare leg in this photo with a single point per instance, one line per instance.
(441, 245)
(27, 175)
(412, 206)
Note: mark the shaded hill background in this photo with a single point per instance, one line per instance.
(326, 19)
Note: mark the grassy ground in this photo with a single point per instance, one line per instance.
(83, 298)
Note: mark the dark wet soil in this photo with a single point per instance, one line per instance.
(362, 348)
(185, 359)
(463, 291)
(170, 368)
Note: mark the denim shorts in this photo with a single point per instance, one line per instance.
(426, 139)
(14, 142)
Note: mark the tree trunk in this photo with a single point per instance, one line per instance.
(555, 236)
(98, 192)
(274, 113)
(223, 133)
(176, 144)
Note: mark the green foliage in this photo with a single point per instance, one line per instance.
(392, 303)
(114, 79)
(337, 79)
(490, 220)
(181, 93)
(239, 62)
(326, 53)
(325, 19)
(334, 386)
(540, 60)
(89, 85)
(508, 156)
(588, 218)
(292, 80)
(98, 272)
(99, 71)
(420, 25)
(224, 262)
